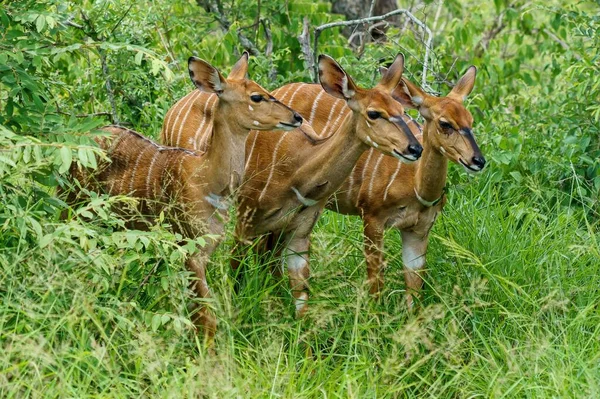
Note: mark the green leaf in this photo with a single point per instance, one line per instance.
(40, 23)
(66, 157)
(156, 321)
(139, 57)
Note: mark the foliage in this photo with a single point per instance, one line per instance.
(89, 308)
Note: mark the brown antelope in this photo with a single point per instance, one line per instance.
(195, 183)
(288, 180)
(386, 193)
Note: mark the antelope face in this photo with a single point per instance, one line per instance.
(249, 105)
(382, 126)
(379, 118)
(449, 123)
(257, 109)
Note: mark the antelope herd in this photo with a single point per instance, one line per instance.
(283, 157)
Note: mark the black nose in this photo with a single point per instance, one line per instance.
(478, 161)
(415, 149)
(297, 117)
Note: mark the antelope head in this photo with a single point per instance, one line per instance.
(379, 122)
(250, 106)
(450, 123)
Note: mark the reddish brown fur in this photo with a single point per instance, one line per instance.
(288, 180)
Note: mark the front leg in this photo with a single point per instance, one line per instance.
(414, 250)
(296, 260)
(203, 317)
(373, 235)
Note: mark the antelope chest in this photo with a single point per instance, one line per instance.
(415, 218)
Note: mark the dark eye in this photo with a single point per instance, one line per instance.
(446, 126)
(373, 114)
(256, 98)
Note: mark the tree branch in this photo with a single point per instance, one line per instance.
(304, 39)
(408, 14)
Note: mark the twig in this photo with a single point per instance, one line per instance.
(372, 8)
(304, 39)
(563, 44)
(269, 49)
(122, 18)
(94, 114)
(247, 44)
(111, 94)
(408, 14)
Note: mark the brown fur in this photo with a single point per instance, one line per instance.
(198, 183)
(288, 179)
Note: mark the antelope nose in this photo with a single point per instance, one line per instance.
(415, 149)
(479, 162)
(297, 117)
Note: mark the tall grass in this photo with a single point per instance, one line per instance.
(510, 309)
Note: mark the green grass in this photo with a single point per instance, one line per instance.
(510, 309)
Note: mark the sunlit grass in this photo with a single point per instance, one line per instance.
(510, 308)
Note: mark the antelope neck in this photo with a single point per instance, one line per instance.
(332, 160)
(432, 169)
(225, 156)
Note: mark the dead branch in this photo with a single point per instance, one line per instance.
(408, 14)
(304, 40)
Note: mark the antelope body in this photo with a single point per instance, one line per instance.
(194, 184)
(386, 193)
(288, 180)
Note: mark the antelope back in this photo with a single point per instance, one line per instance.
(377, 116)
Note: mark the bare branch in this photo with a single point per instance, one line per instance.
(304, 40)
(408, 14)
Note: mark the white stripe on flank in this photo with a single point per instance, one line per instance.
(251, 150)
(314, 107)
(120, 191)
(193, 99)
(287, 91)
(187, 113)
(291, 102)
(374, 173)
(334, 127)
(199, 131)
(174, 109)
(364, 171)
(273, 163)
(135, 167)
(324, 130)
(387, 188)
(170, 116)
(149, 177)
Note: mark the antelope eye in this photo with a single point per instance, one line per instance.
(446, 126)
(256, 98)
(373, 115)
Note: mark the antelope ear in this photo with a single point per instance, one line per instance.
(393, 75)
(205, 76)
(335, 80)
(464, 86)
(413, 94)
(401, 95)
(240, 69)
(382, 70)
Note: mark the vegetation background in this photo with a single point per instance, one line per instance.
(511, 304)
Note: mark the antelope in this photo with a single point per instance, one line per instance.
(196, 183)
(386, 193)
(288, 180)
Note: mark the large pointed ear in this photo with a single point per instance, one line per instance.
(240, 69)
(401, 95)
(465, 84)
(334, 79)
(205, 76)
(413, 94)
(392, 76)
